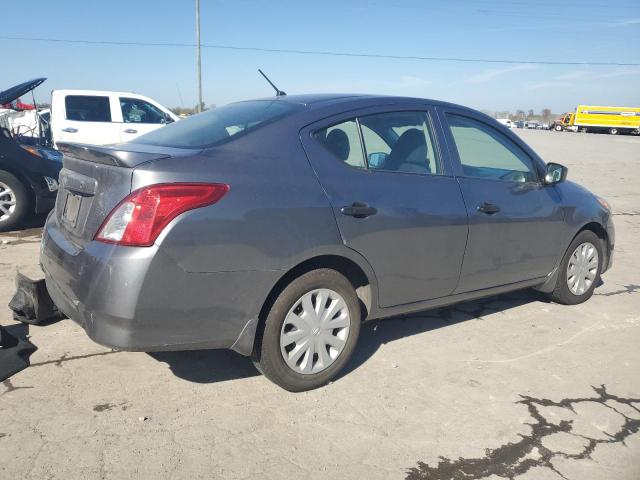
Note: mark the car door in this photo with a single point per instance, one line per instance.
(515, 221)
(139, 116)
(394, 197)
(87, 119)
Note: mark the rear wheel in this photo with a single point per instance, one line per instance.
(580, 270)
(14, 201)
(613, 131)
(310, 331)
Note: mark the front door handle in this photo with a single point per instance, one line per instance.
(70, 130)
(359, 210)
(130, 130)
(488, 208)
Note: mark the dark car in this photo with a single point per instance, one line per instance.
(28, 170)
(275, 227)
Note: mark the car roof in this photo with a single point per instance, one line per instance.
(104, 93)
(324, 99)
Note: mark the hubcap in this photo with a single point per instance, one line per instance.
(315, 331)
(7, 202)
(582, 268)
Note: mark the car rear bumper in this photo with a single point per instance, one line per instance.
(140, 299)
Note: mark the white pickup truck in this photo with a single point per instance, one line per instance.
(87, 116)
(101, 117)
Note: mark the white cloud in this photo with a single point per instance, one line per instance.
(489, 75)
(621, 73)
(574, 75)
(548, 84)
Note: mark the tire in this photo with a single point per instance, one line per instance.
(558, 128)
(563, 293)
(269, 352)
(14, 201)
(613, 131)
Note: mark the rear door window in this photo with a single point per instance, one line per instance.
(87, 108)
(343, 141)
(135, 110)
(400, 142)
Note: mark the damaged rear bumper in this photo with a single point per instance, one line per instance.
(141, 299)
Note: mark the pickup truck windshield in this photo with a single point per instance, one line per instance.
(217, 125)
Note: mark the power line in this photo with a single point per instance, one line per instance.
(321, 52)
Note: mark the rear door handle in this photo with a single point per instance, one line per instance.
(130, 130)
(359, 210)
(70, 130)
(488, 208)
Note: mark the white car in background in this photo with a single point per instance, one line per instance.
(505, 121)
(103, 117)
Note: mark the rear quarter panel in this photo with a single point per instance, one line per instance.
(274, 216)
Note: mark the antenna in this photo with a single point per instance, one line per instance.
(279, 93)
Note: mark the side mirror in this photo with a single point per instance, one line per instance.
(377, 159)
(555, 173)
(168, 119)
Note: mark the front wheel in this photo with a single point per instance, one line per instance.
(558, 128)
(310, 331)
(14, 201)
(613, 131)
(579, 270)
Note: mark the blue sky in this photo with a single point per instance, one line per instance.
(546, 30)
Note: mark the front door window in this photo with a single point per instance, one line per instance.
(486, 153)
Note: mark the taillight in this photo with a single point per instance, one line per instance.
(138, 219)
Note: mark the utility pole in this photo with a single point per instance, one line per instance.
(198, 61)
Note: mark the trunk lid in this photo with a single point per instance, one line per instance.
(94, 180)
(13, 93)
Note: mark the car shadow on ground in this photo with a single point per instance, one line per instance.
(212, 366)
(30, 227)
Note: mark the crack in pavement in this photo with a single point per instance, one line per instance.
(11, 387)
(626, 214)
(110, 406)
(515, 458)
(59, 361)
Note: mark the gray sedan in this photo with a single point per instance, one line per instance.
(275, 227)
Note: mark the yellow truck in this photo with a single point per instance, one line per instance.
(590, 118)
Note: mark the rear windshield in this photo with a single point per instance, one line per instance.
(218, 125)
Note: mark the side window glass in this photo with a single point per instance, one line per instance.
(343, 141)
(377, 149)
(486, 153)
(135, 110)
(400, 142)
(87, 108)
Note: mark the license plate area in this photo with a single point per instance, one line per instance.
(71, 209)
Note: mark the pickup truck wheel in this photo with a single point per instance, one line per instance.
(14, 201)
(580, 270)
(558, 128)
(613, 131)
(310, 331)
